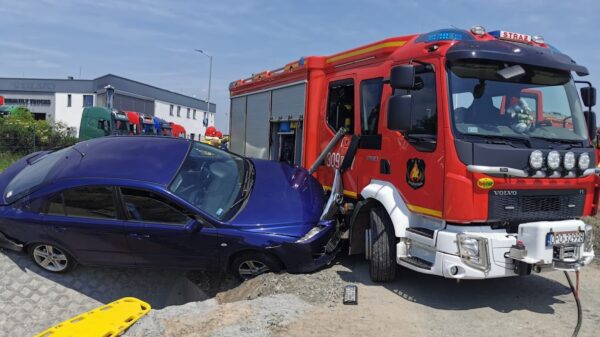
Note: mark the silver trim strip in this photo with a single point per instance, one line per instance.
(498, 170)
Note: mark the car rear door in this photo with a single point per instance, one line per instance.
(160, 233)
(84, 221)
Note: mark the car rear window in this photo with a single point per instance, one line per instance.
(33, 175)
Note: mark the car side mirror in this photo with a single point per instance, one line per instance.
(399, 112)
(193, 226)
(403, 77)
(588, 95)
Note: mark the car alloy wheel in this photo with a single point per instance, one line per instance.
(50, 258)
(252, 268)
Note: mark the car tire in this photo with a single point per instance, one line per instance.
(249, 265)
(382, 267)
(51, 258)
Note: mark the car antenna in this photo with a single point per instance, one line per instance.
(81, 153)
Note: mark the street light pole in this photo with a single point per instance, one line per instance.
(209, 75)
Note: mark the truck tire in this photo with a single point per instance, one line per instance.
(382, 267)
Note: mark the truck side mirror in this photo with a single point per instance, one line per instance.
(399, 112)
(403, 77)
(588, 95)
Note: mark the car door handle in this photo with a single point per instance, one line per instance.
(59, 229)
(138, 236)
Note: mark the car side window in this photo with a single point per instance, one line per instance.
(85, 202)
(147, 206)
(56, 205)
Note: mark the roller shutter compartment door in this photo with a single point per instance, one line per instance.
(289, 102)
(257, 125)
(238, 125)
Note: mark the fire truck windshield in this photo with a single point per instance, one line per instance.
(536, 103)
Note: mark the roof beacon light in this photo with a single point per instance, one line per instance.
(478, 30)
(538, 39)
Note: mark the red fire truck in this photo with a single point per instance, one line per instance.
(464, 154)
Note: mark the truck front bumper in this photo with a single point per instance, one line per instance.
(479, 252)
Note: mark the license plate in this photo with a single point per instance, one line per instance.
(564, 238)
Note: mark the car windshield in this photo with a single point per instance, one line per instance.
(492, 99)
(33, 175)
(211, 179)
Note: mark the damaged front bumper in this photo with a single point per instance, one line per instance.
(310, 253)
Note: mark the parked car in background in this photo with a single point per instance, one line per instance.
(197, 208)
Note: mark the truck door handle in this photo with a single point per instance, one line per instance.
(59, 229)
(139, 236)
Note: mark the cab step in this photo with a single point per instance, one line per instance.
(417, 262)
(426, 232)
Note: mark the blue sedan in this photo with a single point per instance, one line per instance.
(158, 201)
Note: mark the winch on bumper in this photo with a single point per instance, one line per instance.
(480, 252)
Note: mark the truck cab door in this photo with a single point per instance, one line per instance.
(412, 155)
(340, 112)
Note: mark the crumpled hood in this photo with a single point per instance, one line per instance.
(284, 200)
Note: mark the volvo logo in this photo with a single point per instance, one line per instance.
(505, 192)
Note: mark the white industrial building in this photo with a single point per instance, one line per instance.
(63, 100)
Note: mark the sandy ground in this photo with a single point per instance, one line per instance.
(413, 305)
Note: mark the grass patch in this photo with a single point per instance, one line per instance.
(6, 159)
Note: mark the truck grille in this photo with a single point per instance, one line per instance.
(534, 205)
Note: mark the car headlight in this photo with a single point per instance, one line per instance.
(584, 161)
(569, 160)
(588, 243)
(536, 159)
(473, 251)
(311, 234)
(553, 160)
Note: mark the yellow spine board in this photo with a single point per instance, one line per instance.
(109, 320)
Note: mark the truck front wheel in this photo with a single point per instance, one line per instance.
(382, 257)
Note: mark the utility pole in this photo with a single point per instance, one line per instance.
(209, 75)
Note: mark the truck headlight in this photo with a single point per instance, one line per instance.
(588, 243)
(569, 161)
(553, 160)
(536, 159)
(311, 234)
(473, 251)
(584, 161)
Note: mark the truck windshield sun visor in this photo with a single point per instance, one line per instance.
(514, 53)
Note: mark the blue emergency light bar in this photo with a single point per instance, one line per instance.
(445, 35)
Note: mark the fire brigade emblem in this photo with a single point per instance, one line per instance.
(415, 172)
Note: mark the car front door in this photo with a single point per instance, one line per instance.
(84, 221)
(160, 233)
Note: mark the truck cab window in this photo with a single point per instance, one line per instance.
(370, 103)
(340, 105)
(424, 103)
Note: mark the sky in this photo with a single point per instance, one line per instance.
(153, 41)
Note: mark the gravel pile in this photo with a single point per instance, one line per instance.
(262, 317)
(324, 286)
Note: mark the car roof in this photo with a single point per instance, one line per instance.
(153, 159)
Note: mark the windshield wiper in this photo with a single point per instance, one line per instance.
(572, 142)
(246, 186)
(506, 140)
